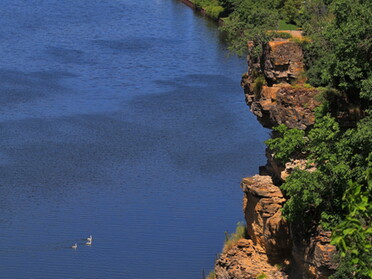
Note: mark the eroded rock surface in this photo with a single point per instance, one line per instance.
(316, 257)
(274, 86)
(245, 261)
(283, 61)
(269, 242)
(262, 209)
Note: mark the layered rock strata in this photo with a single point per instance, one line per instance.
(315, 256)
(268, 248)
(275, 90)
(261, 206)
(274, 86)
(246, 260)
(272, 247)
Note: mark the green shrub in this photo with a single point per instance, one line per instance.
(232, 239)
(214, 11)
(287, 143)
(292, 10)
(250, 21)
(353, 235)
(259, 82)
(211, 275)
(286, 26)
(282, 35)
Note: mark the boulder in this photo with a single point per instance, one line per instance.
(262, 209)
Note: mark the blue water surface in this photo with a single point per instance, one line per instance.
(123, 119)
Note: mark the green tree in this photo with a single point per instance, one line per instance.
(353, 235)
(250, 21)
(341, 50)
(288, 142)
(292, 11)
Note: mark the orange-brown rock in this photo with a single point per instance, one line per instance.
(246, 261)
(316, 257)
(265, 225)
(285, 104)
(283, 61)
(269, 242)
(268, 86)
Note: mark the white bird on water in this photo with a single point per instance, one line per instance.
(74, 246)
(90, 239)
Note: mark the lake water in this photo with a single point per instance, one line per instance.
(123, 119)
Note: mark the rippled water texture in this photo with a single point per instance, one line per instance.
(122, 119)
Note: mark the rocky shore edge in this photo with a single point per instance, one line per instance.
(276, 91)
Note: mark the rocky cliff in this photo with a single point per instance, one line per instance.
(268, 247)
(274, 86)
(276, 91)
(273, 247)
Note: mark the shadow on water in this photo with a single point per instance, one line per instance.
(22, 87)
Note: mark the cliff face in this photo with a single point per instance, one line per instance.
(274, 86)
(276, 92)
(265, 226)
(273, 247)
(268, 248)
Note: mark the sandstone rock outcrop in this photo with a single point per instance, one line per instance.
(283, 61)
(246, 260)
(265, 225)
(315, 257)
(285, 104)
(269, 244)
(274, 86)
(272, 248)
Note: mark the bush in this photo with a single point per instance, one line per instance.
(232, 239)
(250, 21)
(257, 85)
(288, 142)
(214, 11)
(211, 275)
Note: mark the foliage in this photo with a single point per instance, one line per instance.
(211, 7)
(353, 236)
(259, 82)
(262, 276)
(292, 10)
(232, 239)
(214, 11)
(338, 156)
(249, 21)
(366, 88)
(286, 26)
(211, 275)
(282, 35)
(337, 194)
(306, 190)
(287, 143)
(340, 54)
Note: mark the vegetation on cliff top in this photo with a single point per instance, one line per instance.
(339, 49)
(211, 7)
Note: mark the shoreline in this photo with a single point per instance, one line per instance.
(202, 11)
(268, 247)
